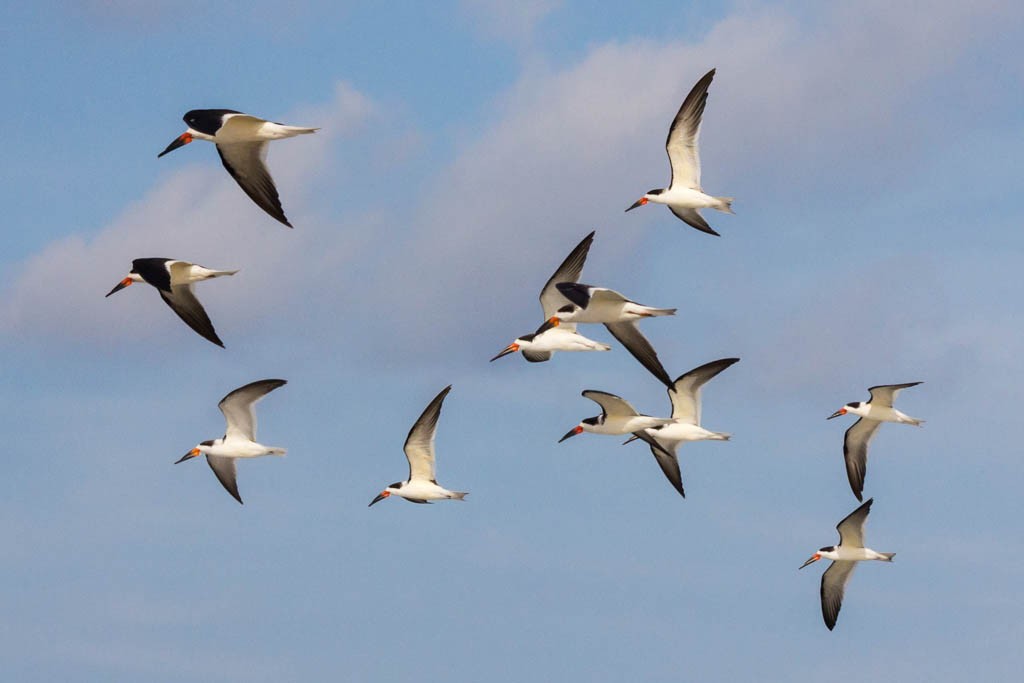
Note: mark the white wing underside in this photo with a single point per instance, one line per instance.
(833, 586)
(683, 140)
(569, 271)
(419, 445)
(851, 529)
(884, 395)
(239, 408)
(611, 404)
(686, 390)
(855, 452)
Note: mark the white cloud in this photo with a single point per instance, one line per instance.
(795, 103)
(198, 214)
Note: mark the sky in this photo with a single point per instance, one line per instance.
(464, 149)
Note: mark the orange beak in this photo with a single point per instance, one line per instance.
(639, 202)
(841, 411)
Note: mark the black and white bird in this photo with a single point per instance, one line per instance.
(684, 394)
(174, 280)
(617, 313)
(617, 417)
(554, 335)
(242, 142)
(422, 486)
(239, 440)
(845, 557)
(684, 196)
(872, 414)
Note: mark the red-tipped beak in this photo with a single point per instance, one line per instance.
(179, 141)
(120, 285)
(511, 348)
(814, 558)
(639, 202)
(841, 411)
(578, 429)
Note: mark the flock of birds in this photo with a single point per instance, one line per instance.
(242, 142)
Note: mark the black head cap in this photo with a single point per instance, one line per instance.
(827, 549)
(396, 485)
(207, 121)
(655, 191)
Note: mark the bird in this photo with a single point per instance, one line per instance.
(422, 486)
(845, 557)
(239, 440)
(554, 335)
(617, 417)
(241, 141)
(620, 315)
(684, 196)
(684, 394)
(174, 280)
(872, 414)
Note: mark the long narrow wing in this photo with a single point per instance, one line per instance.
(884, 394)
(685, 391)
(246, 162)
(224, 468)
(238, 407)
(629, 334)
(419, 445)
(183, 301)
(684, 134)
(569, 271)
(610, 403)
(833, 585)
(851, 529)
(667, 460)
(693, 218)
(855, 452)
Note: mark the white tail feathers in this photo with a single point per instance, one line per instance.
(720, 436)
(725, 204)
(659, 311)
(887, 557)
(459, 495)
(277, 451)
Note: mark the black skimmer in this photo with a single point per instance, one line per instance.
(684, 394)
(174, 280)
(845, 557)
(239, 440)
(617, 313)
(684, 196)
(554, 335)
(242, 142)
(872, 414)
(422, 486)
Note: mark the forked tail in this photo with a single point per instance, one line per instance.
(887, 557)
(719, 436)
(277, 451)
(724, 204)
(459, 495)
(650, 312)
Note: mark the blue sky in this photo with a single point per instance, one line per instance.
(873, 151)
